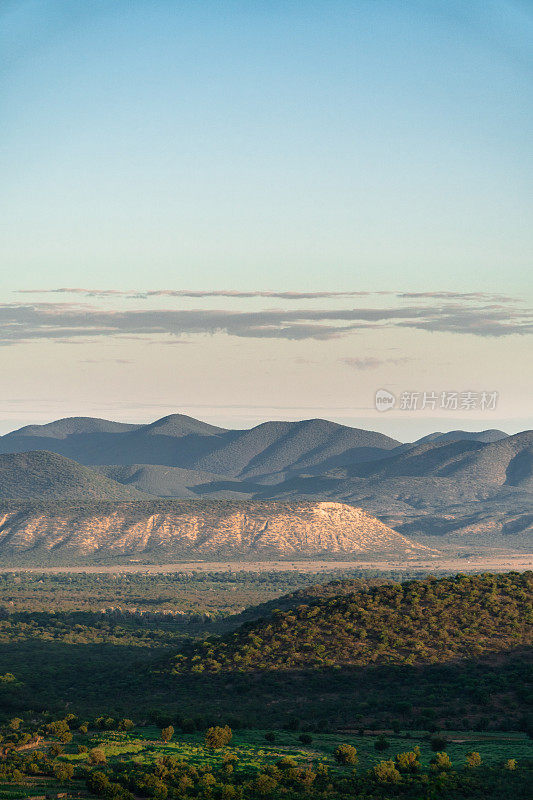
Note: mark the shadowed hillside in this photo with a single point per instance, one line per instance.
(47, 476)
(418, 622)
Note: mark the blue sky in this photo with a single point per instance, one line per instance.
(303, 147)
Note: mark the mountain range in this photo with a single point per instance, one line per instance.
(457, 485)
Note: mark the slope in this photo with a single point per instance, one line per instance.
(415, 622)
(47, 476)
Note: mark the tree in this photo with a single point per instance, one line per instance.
(441, 762)
(438, 743)
(408, 762)
(167, 733)
(472, 759)
(381, 744)
(216, 736)
(346, 754)
(63, 772)
(97, 756)
(60, 730)
(386, 772)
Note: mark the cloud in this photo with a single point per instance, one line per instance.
(276, 295)
(73, 321)
(370, 362)
(198, 294)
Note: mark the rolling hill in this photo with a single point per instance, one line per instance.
(42, 476)
(417, 622)
(270, 451)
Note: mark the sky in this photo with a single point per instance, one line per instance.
(245, 211)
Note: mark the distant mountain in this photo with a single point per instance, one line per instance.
(490, 435)
(269, 452)
(166, 481)
(508, 461)
(42, 476)
(464, 483)
(164, 530)
(463, 487)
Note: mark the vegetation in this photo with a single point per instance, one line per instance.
(113, 763)
(89, 706)
(418, 622)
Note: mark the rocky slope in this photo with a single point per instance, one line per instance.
(216, 529)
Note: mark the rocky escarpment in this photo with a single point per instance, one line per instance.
(163, 529)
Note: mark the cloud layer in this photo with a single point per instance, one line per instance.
(21, 322)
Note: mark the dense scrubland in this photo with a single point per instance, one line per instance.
(132, 681)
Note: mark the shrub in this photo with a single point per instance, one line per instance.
(63, 772)
(270, 737)
(381, 744)
(345, 754)
(97, 756)
(167, 733)
(408, 762)
(472, 759)
(438, 744)
(441, 762)
(510, 764)
(386, 772)
(216, 736)
(305, 738)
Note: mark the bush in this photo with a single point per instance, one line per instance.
(270, 737)
(216, 736)
(472, 759)
(63, 772)
(167, 733)
(408, 762)
(97, 756)
(305, 738)
(381, 744)
(346, 754)
(386, 772)
(438, 744)
(441, 762)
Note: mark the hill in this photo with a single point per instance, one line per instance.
(164, 530)
(466, 488)
(47, 476)
(270, 451)
(417, 622)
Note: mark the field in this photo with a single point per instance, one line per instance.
(250, 753)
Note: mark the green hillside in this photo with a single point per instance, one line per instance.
(419, 622)
(43, 476)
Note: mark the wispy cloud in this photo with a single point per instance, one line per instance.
(370, 362)
(70, 321)
(275, 295)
